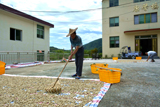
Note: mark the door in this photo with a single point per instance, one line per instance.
(145, 45)
(137, 45)
(154, 44)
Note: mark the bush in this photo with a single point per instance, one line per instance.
(106, 56)
(112, 55)
(119, 55)
(86, 56)
(100, 54)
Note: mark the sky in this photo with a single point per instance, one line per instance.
(89, 23)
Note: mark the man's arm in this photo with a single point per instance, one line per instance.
(74, 52)
(148, 58)
(71, 49)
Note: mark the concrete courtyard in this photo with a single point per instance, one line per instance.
(139, 86)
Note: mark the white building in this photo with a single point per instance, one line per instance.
(20, 33)
(134, 23)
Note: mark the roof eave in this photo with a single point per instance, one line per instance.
(14, 11)
(140, 30)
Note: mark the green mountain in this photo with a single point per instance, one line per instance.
(89, 46)
(54, 49)
(94, 44)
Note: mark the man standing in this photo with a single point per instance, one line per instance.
(76, 42)
(151, 54)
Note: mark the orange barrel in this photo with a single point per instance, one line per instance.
(115, 58)
(138, 58)
(94, 69)
(110, 76)
(2, 67)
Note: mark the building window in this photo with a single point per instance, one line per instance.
(114, 21)
(114, 41)
(40, 31)
(15, 34)
(113, 3)
(135, 1)
(145, 18)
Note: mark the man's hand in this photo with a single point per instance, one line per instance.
(148, 58)
(71, 52)
(70, 57)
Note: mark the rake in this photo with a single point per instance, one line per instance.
(108, 69)
(56, 87)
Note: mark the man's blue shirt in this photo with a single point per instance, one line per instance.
(77, 41)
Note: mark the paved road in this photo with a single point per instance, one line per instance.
(139, 86)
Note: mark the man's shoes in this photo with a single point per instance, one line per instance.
(152, 60)
(77, 78)
(74, 75)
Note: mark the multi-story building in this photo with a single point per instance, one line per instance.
(133, 23)
(20, 32)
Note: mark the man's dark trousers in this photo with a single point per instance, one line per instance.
(79, 61)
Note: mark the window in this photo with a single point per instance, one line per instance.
(114, 21)
(15, 34)
(135, 1)
(113, 3)
(40, 31)
(114, 41)
(145, 18)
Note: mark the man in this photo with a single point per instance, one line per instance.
(76, 42)
(151, 54)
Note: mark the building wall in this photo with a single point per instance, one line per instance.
(126, 23)
(30, 42)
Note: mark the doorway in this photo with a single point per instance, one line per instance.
(145, 45)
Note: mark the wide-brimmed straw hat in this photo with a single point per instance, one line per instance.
(71, 31)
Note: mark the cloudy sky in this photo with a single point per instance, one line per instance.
(58, 12)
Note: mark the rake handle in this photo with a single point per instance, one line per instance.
(107, 69)
(60, 74)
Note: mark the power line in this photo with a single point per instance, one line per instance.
(88, 20)
(92, 20)
(64, 12)
(84, 10)
(78, 21)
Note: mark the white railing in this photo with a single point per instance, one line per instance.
(18, 57)
(22, 57)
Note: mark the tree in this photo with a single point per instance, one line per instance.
(95, 50)
(87, 52)
(59, 51)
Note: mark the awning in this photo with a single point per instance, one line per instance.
(141, 30)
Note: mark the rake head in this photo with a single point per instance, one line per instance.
(56, 89)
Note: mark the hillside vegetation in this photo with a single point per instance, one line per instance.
(94, 44)
(89, 46)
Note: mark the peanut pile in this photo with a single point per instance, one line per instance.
(30, 92)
